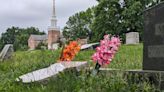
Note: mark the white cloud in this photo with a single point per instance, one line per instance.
(25, 13)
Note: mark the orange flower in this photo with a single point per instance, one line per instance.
(70, 51)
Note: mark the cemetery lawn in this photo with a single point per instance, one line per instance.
(128, 57)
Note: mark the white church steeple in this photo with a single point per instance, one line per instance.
(53, 30)
(53, 18)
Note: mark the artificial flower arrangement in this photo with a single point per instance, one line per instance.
(70, 51)
(106, 51)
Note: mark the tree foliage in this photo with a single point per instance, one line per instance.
(76, 25)
(109, 17)
(18, 37)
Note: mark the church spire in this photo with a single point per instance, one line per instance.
(53, 18)
(54, 12)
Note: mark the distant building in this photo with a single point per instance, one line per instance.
(82, 41)
(34, 40)
(53, 36)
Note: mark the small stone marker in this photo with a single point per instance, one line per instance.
(52, 70)
(7, 51)
(55, 46)
(132, 38)
(153, 56)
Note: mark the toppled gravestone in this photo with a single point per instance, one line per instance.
(51, 71)
(7, 51)
(89, 46)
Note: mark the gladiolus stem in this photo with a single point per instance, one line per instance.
(96, 69)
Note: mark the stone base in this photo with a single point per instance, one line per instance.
(154, 77)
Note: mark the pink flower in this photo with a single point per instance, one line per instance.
(116, 41)
(107, 49)
(106, 37)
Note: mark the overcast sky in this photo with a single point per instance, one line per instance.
(37, 13)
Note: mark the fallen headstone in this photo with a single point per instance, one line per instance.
(6, 52)
(89, 46)
(51, 71)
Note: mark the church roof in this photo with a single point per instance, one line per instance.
(39, 37)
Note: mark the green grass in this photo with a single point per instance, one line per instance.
(128, 57)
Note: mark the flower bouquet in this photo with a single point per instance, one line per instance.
(70, 51)
(105, 52)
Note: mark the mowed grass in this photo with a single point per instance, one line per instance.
(128, 57)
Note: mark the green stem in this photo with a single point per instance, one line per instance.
(96, 69)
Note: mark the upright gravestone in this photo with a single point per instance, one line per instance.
(132, 38)
(7, 51)
(153, 59)
(154, 38)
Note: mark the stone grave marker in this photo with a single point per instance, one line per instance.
(53, 70)
(6, 52)
(55, 46)
(89, 46)
(154, 39)
(153, 54)
(132, 38)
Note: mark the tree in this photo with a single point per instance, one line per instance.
(114, 18)
(18, 37)
(107, 19)
(132, 15)
(76, 25)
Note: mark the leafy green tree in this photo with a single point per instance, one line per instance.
(132, 16)
(107, 19)
(18, 37)
(114, 18)
(76, 25)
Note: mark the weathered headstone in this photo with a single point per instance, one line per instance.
(153, 59)
(7, 51)
(53, 70)
(132, 38)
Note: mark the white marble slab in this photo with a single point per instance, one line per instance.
(132, 38)
(50, 71)
(86, 46)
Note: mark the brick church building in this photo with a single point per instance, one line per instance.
(50, 39)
